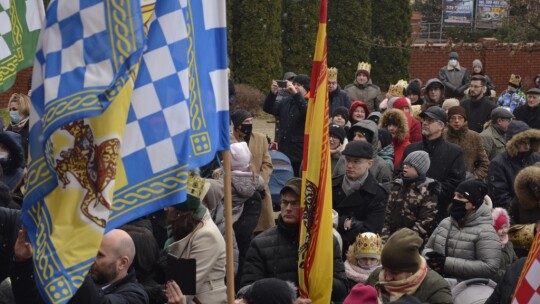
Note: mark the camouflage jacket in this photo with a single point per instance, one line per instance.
(413, 206)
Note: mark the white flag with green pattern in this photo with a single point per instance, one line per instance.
(20, 23)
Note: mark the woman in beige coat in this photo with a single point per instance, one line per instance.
(193, 235)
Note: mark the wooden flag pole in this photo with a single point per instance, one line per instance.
(228, 225)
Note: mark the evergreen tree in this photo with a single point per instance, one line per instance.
(391, 31)
(300, 21)
(349, 31)
(257, 42)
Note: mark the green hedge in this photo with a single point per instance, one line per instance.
(391, 26)
(299, 21)
(256, 42)
(349, 31)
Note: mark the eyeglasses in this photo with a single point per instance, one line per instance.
(524, 142)
(294, 204)
(456, 117)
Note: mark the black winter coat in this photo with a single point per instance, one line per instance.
(504, 291)
(274, 254)
(10, 223)
(338, 98)
(291, 112)
(447, 167)
(502, 172)
(366, 207)
(125, 291)
(478, 112)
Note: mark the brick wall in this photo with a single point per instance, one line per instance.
(499, 61)
(20, 86)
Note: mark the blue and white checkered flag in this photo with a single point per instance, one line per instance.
(179, 115)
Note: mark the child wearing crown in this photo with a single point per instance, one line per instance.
(363, 257)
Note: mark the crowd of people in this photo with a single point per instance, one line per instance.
(432, 186)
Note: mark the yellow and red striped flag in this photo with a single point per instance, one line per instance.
(528, 287)
(315, 254)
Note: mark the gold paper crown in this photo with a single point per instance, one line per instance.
(522, 236)
(364, 66)
(396, 90)
(515, 80)
(332, 74)
(368, 245)
(195, 185)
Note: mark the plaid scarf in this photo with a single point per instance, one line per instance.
(396, 289)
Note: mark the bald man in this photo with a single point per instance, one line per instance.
(109, 281)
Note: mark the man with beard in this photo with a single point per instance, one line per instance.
(457, 132)
(262, 162)
(336, 96)
(478, 107)
(109, 280)
(447, 164)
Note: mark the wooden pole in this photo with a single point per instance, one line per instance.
(228, 225)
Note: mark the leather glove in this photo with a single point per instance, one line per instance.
(436, 261)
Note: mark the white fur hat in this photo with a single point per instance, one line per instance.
(240, 156)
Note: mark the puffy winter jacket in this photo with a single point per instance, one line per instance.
(472, 251)
(274, 254)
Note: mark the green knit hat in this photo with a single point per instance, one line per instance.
(193, 202)
(400, 253)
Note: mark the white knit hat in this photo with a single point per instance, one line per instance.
(240, 156)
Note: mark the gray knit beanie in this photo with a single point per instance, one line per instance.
(477, 63)
(419, 160)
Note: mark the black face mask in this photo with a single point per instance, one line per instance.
(457, 210)
(246, 129)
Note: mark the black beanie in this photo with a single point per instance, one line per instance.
(414, 87)
(473, 190)
(238, 116)
(401, 251)
(343, 111)
(515, 127)
(271, 291)
(303, 80)
(337, 131)
(385, 137)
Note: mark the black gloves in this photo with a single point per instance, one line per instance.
(436, 261)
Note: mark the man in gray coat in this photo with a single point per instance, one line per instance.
(494, 131)
(454, 77)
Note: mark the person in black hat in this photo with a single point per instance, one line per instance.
(530, 113)
(337, 137)
(447, 163)
(414, 92)
(522, 142)
(357, 197)
(261, 161)
(274, 253)
(454, 77)
(465, 244)
(494, 131)
(291, 112)
(340, 116)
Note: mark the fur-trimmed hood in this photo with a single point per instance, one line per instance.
(532, 134)
(396, 116)
(527, 187)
